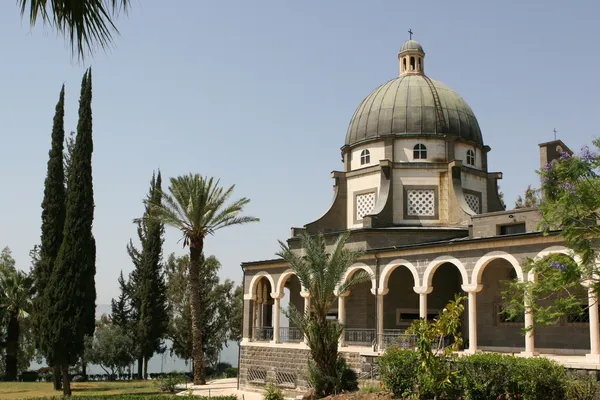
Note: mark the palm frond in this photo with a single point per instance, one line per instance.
(86, 24)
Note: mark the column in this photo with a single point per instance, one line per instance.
(530, 334)
(276, 318)
(594, 326)
(472, 291)
(342, 317)
(254, 317)
(379, 322)
(423, 305)
(306, 296)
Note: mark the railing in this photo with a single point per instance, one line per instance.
(396, 337)
(364, 337)
(263, 333)
(290, 335)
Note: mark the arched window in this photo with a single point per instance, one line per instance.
(420, 152)
(365, 157)
(470, 157)
(412, 63)
(404, 64)
(419, 65)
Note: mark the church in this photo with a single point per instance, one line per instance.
(420, 201)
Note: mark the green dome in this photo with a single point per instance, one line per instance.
(407, 106)
(411, 45)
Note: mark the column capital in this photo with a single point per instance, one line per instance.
(345, 294)
(305, 294)
(276, 296)
(249, 296)
(472, 288)
(382, 291)
(423, 289)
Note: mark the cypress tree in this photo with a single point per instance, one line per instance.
(152, 322)
(121, 308)
(53, 220)
(71, 294)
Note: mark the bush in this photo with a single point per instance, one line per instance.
(29, 376)
(490, 376)
(272, 392)
(169, 382)
(345, 379)
(582, 388)
(231, 372)
(398, 370)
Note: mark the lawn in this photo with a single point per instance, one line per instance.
(23, 390)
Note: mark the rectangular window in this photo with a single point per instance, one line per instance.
(512, 229)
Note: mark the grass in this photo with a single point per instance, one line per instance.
(20, 390)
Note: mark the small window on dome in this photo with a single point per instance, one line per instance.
(470, 157)
(404, 64)
(419, 65)
(420, 152)
(365, 157)
(412, 63)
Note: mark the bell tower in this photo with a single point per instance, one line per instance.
(411, 57)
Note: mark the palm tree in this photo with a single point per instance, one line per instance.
(15, 303)
(197, 207)
(85, 23)
(322, 275)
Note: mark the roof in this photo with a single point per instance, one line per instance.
(413, 105)
(411, 45)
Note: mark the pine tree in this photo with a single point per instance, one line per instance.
(70, 293)
(53, 219)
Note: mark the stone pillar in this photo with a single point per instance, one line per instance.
(342, 316)
(379, 322)
(276, 318)
(594, 354)
(472, 291)
(306, 296)
(530, 335)
(423, 291)
(247, 329)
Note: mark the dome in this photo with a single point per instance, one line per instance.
(413, 104)
(411, 45)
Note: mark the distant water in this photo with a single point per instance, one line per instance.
(161, 362)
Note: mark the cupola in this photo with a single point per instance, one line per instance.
(411, 57)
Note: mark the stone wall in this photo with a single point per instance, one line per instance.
(275, 361)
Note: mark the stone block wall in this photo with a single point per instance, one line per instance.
(275, 359)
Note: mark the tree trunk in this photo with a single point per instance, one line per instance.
(66, 383)
(140, 371)
(84, 370)
(145, 368)
(12, 346)
(56, 373)
(196, 309)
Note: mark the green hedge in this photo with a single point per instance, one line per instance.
(488, 376)
(139, 397)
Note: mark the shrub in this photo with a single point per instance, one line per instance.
(29, 376)
(398, 370)
(490, 376)
(370, 388)
(231, 372)
(169, 382)
(344, 380)
(272, 392)
(582, 388)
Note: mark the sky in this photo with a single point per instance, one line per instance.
(259, 94)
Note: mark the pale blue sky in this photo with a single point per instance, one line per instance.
(260, 94)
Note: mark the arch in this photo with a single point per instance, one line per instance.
(554, 250)
(278, 290)
(391, 267)
(491, 256)
(404, 64)
(412, 63)
(365, 157)
(256, 278)
(420, 151)
(433, 266)
(419, 66)
(355, 268)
